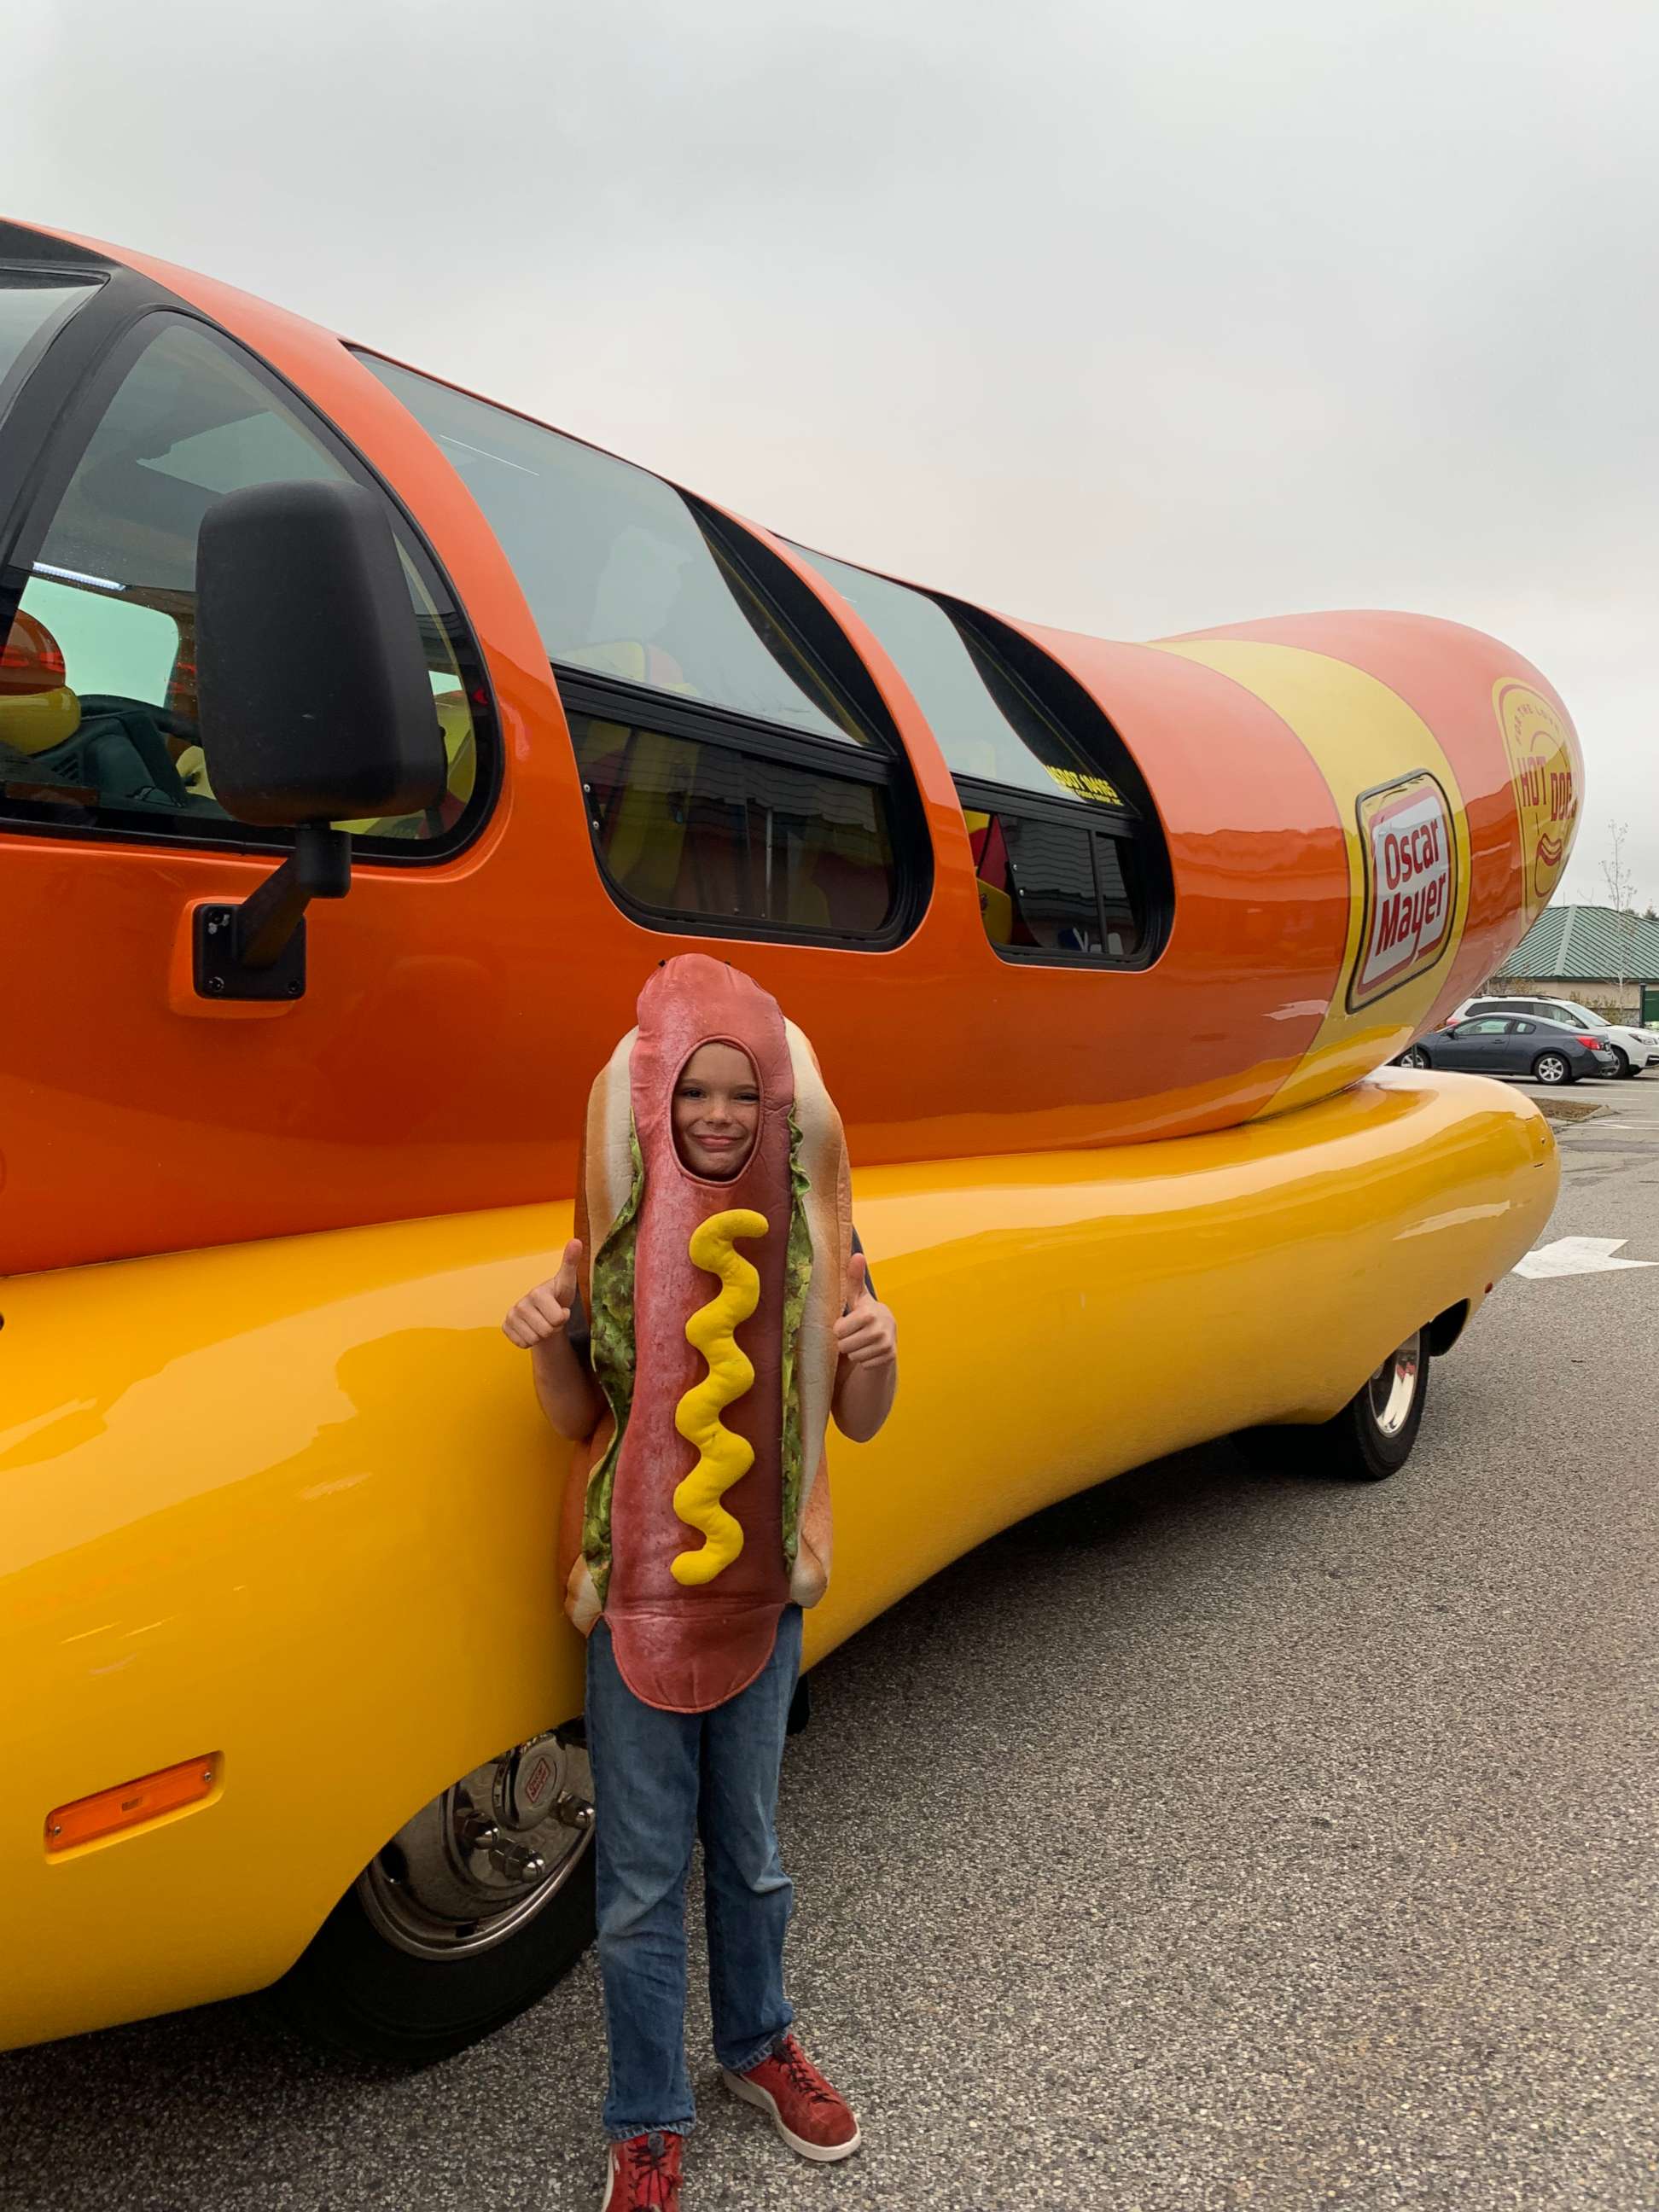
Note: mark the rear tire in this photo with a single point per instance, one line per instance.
(1414, 1056)
(1370, 1439)
(1552, 1069)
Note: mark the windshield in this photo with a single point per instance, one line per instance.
(984, 737)
(31, 307)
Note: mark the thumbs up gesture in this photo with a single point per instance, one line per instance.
(867, 1335)
(544, 1313)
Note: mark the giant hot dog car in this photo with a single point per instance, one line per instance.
(363, 748)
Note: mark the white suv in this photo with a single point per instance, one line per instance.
(1637, 1048)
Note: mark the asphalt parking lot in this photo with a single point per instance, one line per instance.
(1220, 1839)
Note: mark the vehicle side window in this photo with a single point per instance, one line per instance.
(98, 706)
(1492, 1027)
(1061, 886)
(684, 827)
(1522, 1028)
(739, 770)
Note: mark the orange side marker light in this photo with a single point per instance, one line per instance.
(131, 1805)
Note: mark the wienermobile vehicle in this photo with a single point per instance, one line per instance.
(1103, 947)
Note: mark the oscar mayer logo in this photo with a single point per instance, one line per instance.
(1411, 884)
(1546, 788)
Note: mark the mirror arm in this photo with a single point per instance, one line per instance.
(319, 866)
(257, 950)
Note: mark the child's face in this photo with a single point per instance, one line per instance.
(716, 1111)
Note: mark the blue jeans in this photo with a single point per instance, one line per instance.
(659, 1779)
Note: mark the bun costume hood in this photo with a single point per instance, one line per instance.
(699, 1506)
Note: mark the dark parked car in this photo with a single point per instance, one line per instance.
(1637, 1048)
(1509, 1044)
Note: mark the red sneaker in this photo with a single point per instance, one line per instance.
(644, 2174)
(813, 2117)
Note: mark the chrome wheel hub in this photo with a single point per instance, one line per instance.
(479, 1861)
(1393, 1388)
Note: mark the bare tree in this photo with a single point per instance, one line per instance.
(1621, 890)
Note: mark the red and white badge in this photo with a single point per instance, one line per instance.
(1411, 884)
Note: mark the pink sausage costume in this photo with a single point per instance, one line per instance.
(702, 1495)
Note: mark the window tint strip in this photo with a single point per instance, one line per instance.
(622, 579)
(990, 729)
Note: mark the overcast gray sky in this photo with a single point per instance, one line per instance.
(1133, 316)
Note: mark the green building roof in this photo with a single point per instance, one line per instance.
(1588, 944)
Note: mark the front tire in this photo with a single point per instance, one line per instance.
(1553, 1069)
(469, 1915)
(1623, 1059)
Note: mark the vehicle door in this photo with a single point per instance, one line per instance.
(134, 420)
(1476, 1046)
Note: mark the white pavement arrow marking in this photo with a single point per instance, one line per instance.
(1577, 1255)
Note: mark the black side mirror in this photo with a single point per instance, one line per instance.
(312, 688)
(314, 705)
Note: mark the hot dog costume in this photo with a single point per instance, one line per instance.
(699, 1506)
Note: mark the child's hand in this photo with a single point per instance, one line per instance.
(544, 1312)
(867, 1335)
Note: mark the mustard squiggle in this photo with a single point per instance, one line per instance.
(725, 1458)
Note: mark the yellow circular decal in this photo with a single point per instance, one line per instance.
(1544, 764)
